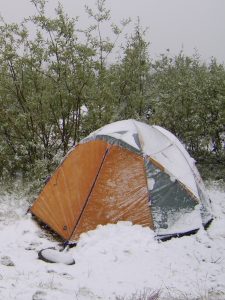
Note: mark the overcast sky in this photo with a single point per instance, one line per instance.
(173, 24)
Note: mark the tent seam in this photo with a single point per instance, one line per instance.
(89, 195)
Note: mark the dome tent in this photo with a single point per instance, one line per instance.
(125, 171)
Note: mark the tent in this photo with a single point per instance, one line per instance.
(125, 171)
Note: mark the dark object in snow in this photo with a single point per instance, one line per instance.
(39, 295)
(69, 244)
(51, 255)
(167, 237)
(6, 261)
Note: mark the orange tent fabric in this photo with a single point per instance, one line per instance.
(96, 184)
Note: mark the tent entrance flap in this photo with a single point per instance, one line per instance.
(170, 202)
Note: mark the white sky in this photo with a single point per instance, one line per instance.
(173, 24)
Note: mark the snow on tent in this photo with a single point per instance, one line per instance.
(125, 171)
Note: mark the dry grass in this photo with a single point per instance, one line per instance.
(146, 294)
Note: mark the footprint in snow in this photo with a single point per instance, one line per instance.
(39, 295)
(6, 261)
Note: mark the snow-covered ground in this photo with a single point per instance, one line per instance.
(113, 261)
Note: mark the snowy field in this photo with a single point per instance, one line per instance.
(112, 262)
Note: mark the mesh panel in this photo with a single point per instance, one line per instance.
(169, 199)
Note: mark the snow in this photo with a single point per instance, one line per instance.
(122, 130)
(56, 256)
(111, 261)
(185, 221)
(150, 183)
